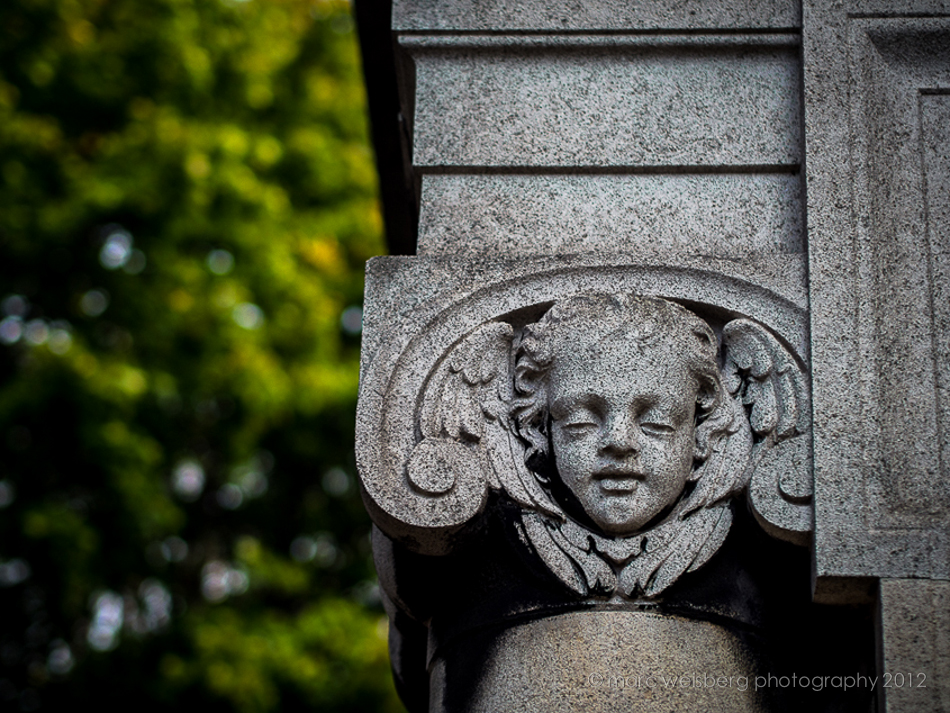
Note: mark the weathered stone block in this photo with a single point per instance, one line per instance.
(914, 645)
(635, 15)
(605, 101)
(727, 215)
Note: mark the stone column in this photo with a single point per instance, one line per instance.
(589, 396)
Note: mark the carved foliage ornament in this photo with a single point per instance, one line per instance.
(617, 428)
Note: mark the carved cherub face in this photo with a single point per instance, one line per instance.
(614, 388)
(622, 424)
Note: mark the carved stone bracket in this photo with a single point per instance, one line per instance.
(622, 425)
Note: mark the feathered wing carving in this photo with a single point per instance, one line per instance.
(764, 374)
(769, 381)
(683, 546)
(467, 401)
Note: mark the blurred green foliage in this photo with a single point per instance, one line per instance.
(186, 201)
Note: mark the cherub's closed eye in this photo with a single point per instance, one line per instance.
(657, 429)
(579, 428)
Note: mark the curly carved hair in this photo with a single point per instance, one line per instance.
(647, 321)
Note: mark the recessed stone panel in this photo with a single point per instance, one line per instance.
(935, 128)
(878, 175)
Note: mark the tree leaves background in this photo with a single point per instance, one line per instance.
(187, 197)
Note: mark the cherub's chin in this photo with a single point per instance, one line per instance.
(618, 512)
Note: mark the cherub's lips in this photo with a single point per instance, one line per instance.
(619, 486)
(618, 480)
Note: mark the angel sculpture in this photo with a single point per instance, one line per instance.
(613, 426)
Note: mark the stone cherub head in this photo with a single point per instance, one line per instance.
(614, 427)
(619, 397)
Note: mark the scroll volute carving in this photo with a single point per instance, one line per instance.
(620, 432)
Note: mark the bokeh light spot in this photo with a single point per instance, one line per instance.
(326, 549)
(94, 303)
(219, 580)
(230, 496)
(251, 476)
(36, 332)
(188, 480)
(320, 549)
(14, 572)
(220, 262)
(337, 482)
(136, 262)
(11, 329)
(15, 305)
(7, 493)
(117, 248)
(60, 660)
(248, 315)
(367, 593)
(173, 549)
(158, 604)
(60, 340)
(107, 619)
(303, 548)
(352, 320)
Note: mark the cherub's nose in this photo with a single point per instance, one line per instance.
(620, 435)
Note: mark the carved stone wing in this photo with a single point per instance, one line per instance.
(467, 403)
(762, 374)
(769, 380)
